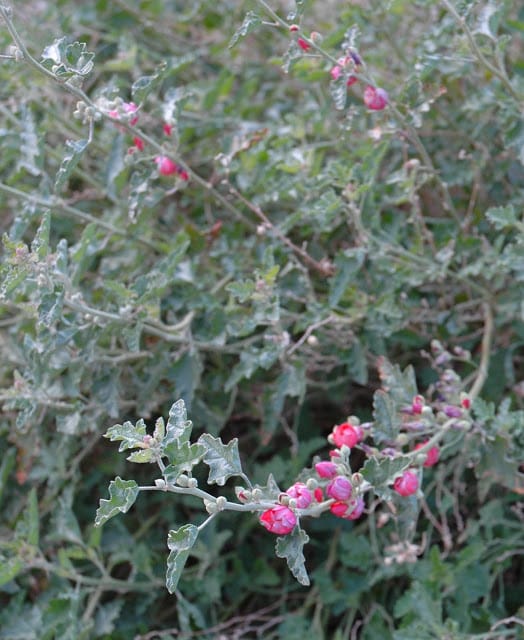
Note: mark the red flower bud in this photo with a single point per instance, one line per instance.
(375, 98)
(407, 484)
(326, 469)
(305, 46)
(432, 455)
(339, 488)
(347, 434)
(279, 519)
(301, 494)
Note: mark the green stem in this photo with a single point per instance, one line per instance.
(499, 73)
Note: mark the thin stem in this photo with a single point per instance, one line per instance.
(485, 353)
(499, 73)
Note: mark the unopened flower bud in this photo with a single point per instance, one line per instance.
(182, 480)
(160, 483)
(192, 483)
(211, 507)
(221, 503)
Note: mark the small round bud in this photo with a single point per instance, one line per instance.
(160, 483)
(182, 480)
(293, 28)
(311, 484)
(312, 341)
(192, 483)
(221, 503)
(284, 499)
(211, 507)
(357, 479)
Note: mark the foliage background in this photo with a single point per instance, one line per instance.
(312, 237)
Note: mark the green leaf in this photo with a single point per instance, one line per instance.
(6, 466)
(130, 435)
(178, 427)
(338, 90)
(223, 460)
(251, 21)
(182, 458)
(347, 264)
(27, 527)
(387, 424)
(146, 84)
(9, 568)
(141, 456)
(40, 244)
(290, 547)
(122, 494)
(75, 150)
(382, 472)
(179, 543)
(502, 217)
(400, 385)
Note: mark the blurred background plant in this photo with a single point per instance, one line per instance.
(295, 237)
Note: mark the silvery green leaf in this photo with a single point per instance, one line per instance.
(290, 547)
(122, 494)
(180, 543)
(223, 460)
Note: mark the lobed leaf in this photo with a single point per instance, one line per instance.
(382, 472)
(123, 494)
(178, 428)
(179, 543)
(290, 547)
(223, 460)
(129, 434)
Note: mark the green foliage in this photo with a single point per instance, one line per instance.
(311, 238)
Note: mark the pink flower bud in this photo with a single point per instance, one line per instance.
(375, 98)
(357, 510)
(452, 411)
(351, 80)
(432, 455)
(279, 519)
(183, 174)
(319, 495)
(417, 405)
(166, 166)
(326, 469)
(293, 28)
(347, 434)
(465, 403)
(301, 494)
(167, 128)
(305, 46)
(139, 143)
(339, 488)
(335, 72)
(407, 484)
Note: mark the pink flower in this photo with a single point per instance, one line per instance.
(407, 484)
(357, 510)
(130, 107)
(279, 519)
(166, 166)
(465, 403)
(326, 469)
(432, 455)
(167, 128)
(339, 488)
(375, 98)
(347, 434)
(301, 494)
(305, 46)
(335, 72)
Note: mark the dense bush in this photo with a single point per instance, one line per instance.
(256, 208)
